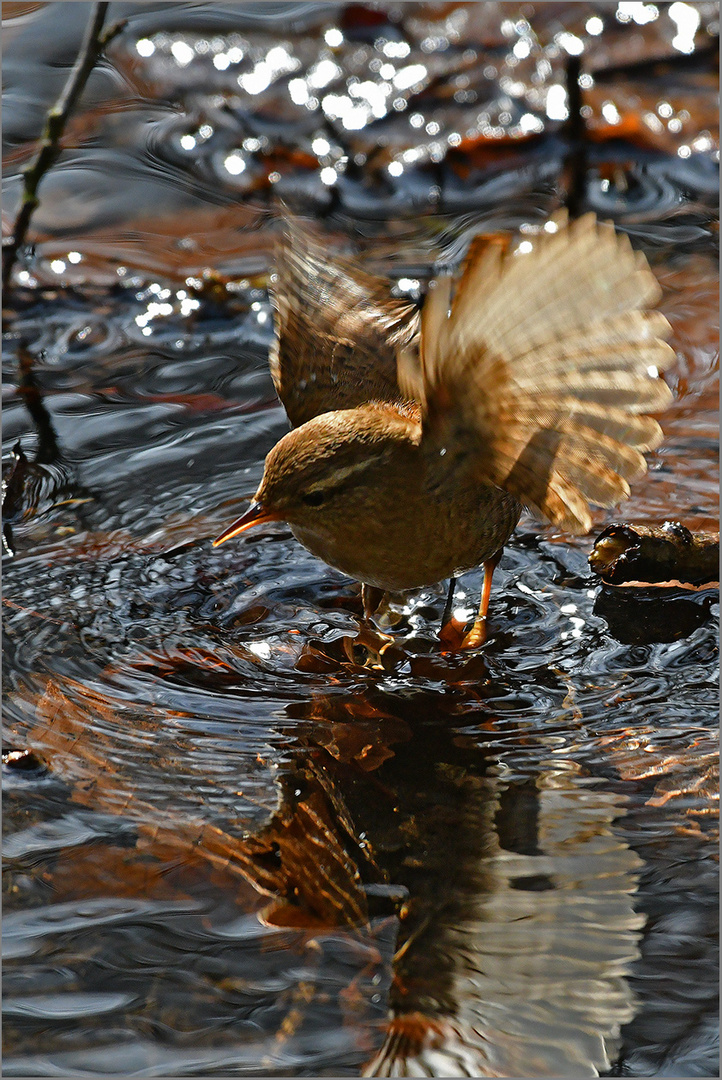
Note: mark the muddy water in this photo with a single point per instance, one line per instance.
(228, 850)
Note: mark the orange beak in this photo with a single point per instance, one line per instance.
(256, 514)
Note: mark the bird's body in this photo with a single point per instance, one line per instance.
(419, 440)
(404, 514)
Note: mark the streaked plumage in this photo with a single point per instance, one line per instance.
(526, 382)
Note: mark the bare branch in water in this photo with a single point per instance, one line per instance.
(574, 177)
(94, 42)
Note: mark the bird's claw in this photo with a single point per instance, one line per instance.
(370, 642)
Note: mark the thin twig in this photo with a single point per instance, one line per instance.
(94, 42)
(576, 162)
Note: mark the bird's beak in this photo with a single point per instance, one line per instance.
(256, 514)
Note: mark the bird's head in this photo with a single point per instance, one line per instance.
(323, 475)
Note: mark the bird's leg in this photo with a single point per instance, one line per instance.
(448, 606)
(451, 632)
(477, 634)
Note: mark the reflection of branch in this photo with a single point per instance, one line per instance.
(93, 44)
(48, 449)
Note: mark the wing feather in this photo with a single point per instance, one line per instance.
(337, 329)
(547, 362)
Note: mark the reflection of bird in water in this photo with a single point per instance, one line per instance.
(526, 382)
(516, 962)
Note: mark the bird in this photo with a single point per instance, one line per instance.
(526, 381)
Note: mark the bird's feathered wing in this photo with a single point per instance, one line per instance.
(337, 329)
(545, 363)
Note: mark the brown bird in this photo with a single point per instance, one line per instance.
(525, 383)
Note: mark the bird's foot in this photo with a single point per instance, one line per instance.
(454, 639)
(367, 648)
(476, 636)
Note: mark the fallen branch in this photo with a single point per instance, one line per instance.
(94, 42)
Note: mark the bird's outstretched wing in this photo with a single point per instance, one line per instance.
(337, 329)
(545, 364)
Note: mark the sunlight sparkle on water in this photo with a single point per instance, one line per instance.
(397, 50)
(636, 11)
(234, 164)
(571, 43)
(254, 82)
(409, 76)
(298, 91)
(182, 53)
(557, 102)
(530, 124)
(374, 93)
(339, 107)
(687, 19)
(610, 113)
(324, 72)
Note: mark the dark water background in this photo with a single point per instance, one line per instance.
(229, 850)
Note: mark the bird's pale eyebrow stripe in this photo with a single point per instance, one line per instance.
(343, 472)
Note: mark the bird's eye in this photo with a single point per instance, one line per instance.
(312, 498)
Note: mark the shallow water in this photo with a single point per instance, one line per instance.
(228, 850)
